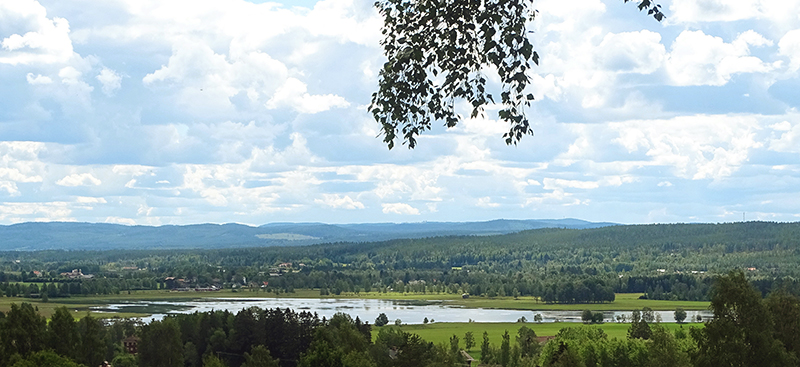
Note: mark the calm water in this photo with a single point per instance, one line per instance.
(409, 312)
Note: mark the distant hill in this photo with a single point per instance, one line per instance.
(103, 236)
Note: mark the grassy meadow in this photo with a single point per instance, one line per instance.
(441, 332)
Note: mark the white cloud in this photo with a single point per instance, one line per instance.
(711, 11)
(205, 80)
(119, 220)
(39, 79)
(583, 62)
(36, 39)
(19, 163)
(486, 202)
(110, 80)
(698, 147)
(10, 187)
(337, 201)
(789, 140)
(39, 212)
(789, 46)
(90, 200)
(348, 20)
(399, 208)
(557, 183)
(557, 197)
(131, 169)
(294, 94)
(700, 59)
(79, 179)
(781, 126)
(72, 80)
(631, 52)
(256, 112)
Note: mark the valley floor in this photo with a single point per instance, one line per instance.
(80, 305)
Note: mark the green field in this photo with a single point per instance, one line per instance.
(80, 304)
(441, 332)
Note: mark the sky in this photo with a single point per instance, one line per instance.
(155, 112)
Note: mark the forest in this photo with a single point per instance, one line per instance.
(747, 330)
(664, 261)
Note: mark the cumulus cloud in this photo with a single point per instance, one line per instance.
(631, 52)
(294, 94)
(697, 147)
(79, 179)
(110, 80)
(337, 201)
(789, 47)
(557, 183)
(74, 86)
(20, 163)
(39, 79)
(696, 58)
(789, 139)
(90, 200)
(205, 80)
(708, 11)
(40, 212)
(583, 62)
(486, 202)
(36, 39)
(399, 208)
(120, 220)
(256, 112)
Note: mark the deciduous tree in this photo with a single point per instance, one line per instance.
(469, 340)
(741, 332)
(439, 52)
(680, 315)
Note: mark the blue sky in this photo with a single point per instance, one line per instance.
(176, 112)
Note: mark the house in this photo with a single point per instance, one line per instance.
(131, 344)
(173, 283)
(77, 273)
(544, 339)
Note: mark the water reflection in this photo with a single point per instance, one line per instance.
(409, 312)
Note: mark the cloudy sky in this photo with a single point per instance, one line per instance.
(176, 112)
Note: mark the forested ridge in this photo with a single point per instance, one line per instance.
(37, 236)
(665, 261)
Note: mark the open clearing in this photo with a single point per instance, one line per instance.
(441, 332)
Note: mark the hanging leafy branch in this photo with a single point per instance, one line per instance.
(438, 52)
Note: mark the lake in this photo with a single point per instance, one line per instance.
(409, 312)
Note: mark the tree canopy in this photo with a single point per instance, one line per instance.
(439, 52)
